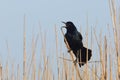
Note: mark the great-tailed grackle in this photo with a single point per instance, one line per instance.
(74, 39)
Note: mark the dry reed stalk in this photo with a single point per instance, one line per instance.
(113, 12)
(96, 71)
(18, 72)
(110, 68)
(102, 58)
(33, 60)
(62, 74)
(24, 50)
(59, 70)
(44, 47)
(56, 39)
(39, 72)
(12, 76)
(65, 70)
(71, 54)
(6, 71)
(119, 67)
(87, 74)
(72, 77)
(119, 43)
(113, 15)
(44, 56)
(43, 51)
(43, 43)
(8, 60)
(49, 73)
(92, 73)
(0, 72)
(105, 52)
(34, 68)
(44, 71)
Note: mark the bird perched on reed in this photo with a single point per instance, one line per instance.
(74, 39)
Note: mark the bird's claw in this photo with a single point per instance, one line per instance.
(69, 50)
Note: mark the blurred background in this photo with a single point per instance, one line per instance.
(31, 41)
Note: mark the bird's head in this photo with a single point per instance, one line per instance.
(69, 26)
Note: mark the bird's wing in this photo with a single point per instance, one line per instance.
(68, 38)
(74, 41)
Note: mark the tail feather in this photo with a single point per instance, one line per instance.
(83, 59)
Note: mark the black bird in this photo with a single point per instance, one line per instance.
(74, 39)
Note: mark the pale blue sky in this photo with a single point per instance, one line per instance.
(48, 13)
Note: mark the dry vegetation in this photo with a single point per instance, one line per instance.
(107, 67)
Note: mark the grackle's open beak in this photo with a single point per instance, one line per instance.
(64, 23)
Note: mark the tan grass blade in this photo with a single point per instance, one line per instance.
(24, 50)
(0, 72)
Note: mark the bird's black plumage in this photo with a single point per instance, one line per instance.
(74, 39)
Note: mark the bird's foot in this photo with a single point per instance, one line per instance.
(80, 63)
(69, 50)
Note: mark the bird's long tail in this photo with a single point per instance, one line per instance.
(85, 56)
